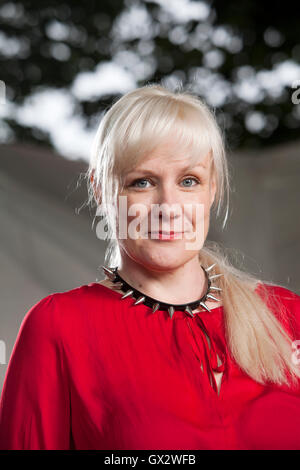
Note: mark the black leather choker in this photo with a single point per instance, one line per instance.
(129, 291)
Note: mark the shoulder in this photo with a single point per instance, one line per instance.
(57, 323)
(281, 293)
(284, 302)
(51, 312)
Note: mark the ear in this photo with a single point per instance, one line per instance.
(96, 189)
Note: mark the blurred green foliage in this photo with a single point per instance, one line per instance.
(217, 54)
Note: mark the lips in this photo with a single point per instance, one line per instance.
(166, 235)
(165, 232)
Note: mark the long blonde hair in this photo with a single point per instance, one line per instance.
(129, 130)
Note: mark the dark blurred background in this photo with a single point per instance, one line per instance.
(63, 63)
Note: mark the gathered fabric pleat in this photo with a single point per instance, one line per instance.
(204, 347)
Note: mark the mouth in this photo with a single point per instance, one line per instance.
(166, 235)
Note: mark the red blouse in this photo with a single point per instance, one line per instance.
(89, 371)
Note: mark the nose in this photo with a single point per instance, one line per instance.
(167, 203)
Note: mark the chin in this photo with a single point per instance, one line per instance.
(162, 260)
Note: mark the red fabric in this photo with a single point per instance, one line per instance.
(89, 371)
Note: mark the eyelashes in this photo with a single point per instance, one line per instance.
(135, 183)
(191, 178)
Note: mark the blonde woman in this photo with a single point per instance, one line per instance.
(175, 348)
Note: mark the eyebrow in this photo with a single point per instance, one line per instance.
(190, 167)
(186, 168)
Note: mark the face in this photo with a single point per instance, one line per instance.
(165, 209)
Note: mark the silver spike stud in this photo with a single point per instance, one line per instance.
(204, 306)
(140, 300)
(127, 294)
(109, 273)
(171, 311)
(189, 311)
(215, 276)
(155, 307)
(215, 288)
(209, 296)
(208, 269)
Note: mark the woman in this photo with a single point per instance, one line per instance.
(175, 348)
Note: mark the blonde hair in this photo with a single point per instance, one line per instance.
(131, 128)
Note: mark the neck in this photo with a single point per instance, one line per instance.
(181, 285)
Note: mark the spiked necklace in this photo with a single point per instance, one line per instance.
(140, 298)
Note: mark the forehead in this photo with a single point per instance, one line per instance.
(170, 155)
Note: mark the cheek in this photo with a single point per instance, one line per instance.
(200, 220)
(133, 218)
(201, 209)
(135, 205)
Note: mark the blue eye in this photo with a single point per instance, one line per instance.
(140, 183)
(190, 180)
